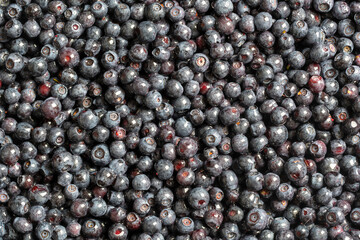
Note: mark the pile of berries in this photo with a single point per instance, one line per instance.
(179, 120)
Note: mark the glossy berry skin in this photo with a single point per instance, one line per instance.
(213, 219)
(198, 198)
(280, 224)
(79, 208)
(185, 225)
(62, 161)
(59, 232)
(167, 217)
(190, 119)
(285, 192)
(240, 143)
(44, 230)
(200, 62)
(255, 181)
(316, 84)
(229, 179)
(187, 147)
(117, 231)
(91, 228)
(307, 215)
(68, 57)
(37, 213)
(50, 108)
(257, 219)
(295, 169)
(333, 216)
(151, 224)
(271, 181)
(88, 120)
(185, 177)
(147, 145)
(141, 182)
(354, 215)
(97, 207)
(89, 67)
(10, 154)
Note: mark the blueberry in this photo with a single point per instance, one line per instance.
(240, 143)
(147, 31)
(22, 225)
(229, 179)
(200, 62)
(141, 182)
(230, 231)
(185, 225)
(271, 126)
(88, 120)
(223, 7)
(154, 12)
(97, 207)
(118, 231)
(152, 224)
(198, 198)
(19, 205)
(10, 154)
(164, 169)
(263, 21)
(285, 192)
(44, 230)
(280, 224)
(295, 169)
(14, 28)
(89, 67)
(91, 228)
(254, 181)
